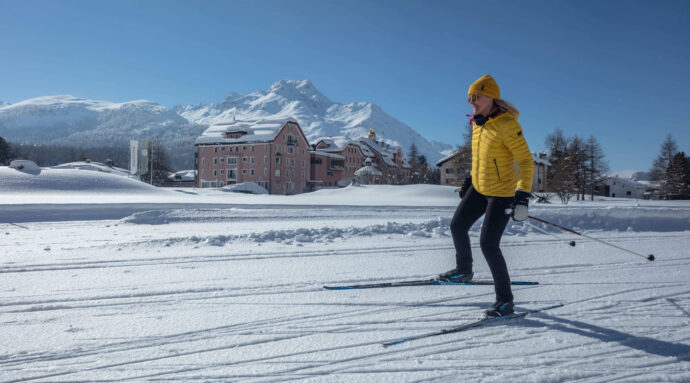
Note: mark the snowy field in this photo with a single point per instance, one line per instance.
(103, 279)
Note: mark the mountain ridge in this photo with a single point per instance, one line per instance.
(66, 119)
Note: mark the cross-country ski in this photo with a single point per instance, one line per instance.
(478, 323)
(421, 282)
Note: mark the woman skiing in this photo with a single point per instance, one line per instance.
(493, 186)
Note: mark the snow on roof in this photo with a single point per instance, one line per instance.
(259, 130)
(368, 171)
(446, 158)
(321, 152)
(626, 181)
(183, 175)
(385, 152)
(539, 160)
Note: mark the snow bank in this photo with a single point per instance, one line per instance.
(67, 180)
(581, 219)
(614, 218)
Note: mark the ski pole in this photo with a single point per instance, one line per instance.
(571, 243)
(649, 257)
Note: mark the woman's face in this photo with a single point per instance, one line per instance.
(481, 104)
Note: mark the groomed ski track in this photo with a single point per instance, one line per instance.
(199, 295)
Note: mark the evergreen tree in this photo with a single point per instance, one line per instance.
(413, 160)
(668, 150)
(161, 165)
(676, 181)
(5, 152)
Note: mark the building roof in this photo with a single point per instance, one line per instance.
(383, 151)
(320, 152)
(627, 181)
(368, 171)
(259, 130)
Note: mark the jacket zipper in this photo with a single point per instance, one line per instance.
(497, 173)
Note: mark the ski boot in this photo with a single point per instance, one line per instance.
(455, 276)
(500, 309)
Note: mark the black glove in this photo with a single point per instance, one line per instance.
(462, 190)
(520, 203)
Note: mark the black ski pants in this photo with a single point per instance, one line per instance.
(473, 206)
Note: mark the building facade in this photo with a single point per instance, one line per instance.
(273, 153)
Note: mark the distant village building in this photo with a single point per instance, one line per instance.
(333, 165)
(368, 174)
(336, 165)
(618, 187)
(273, 153)
(394, 168)
(455, 168)
(183, 178)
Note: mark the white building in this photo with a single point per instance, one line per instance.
(618, 187)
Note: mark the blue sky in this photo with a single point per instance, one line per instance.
(618, 70)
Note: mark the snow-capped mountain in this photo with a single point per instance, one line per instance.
(317, 115)
(76, 121)
(70, 120)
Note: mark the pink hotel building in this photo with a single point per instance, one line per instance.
(275, 154)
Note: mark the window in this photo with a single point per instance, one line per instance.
(232, 160)
(244, 159)
(265, 172)
(251, 172)
(251, 159)
(232, 174)
(277, 160)
(215, 160)
(244, 171)
(265, 160)
(251, 148)
(215, 173)
(215, 149)
(277, 173)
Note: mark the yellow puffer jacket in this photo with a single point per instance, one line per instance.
(496, 147)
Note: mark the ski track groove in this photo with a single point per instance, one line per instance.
(321, 323)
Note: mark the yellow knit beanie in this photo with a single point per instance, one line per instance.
(487, 86)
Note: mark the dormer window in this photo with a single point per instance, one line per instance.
(235, 134)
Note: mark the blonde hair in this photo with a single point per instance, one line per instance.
(507, 107)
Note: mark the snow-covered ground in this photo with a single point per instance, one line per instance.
(105, 279)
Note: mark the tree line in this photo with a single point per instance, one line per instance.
(578, 166)
(116, 156)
